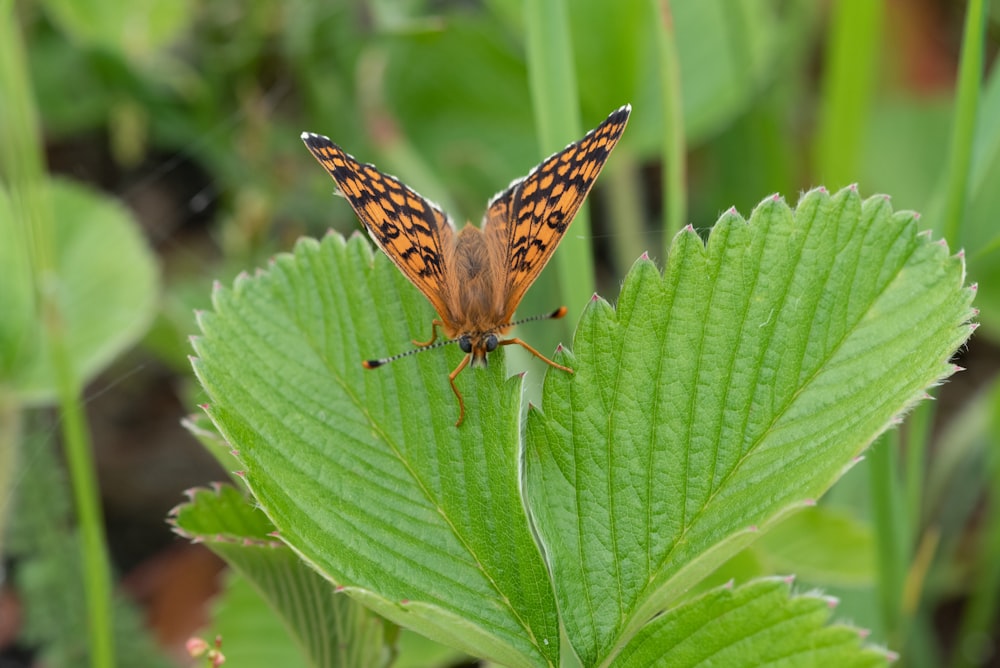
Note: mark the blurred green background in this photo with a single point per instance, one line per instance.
(184, 118)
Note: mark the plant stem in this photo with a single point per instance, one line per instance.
(625, 212)
(852, 59)
(78, 449)
(22, 166)
(557, 115)
(918, 436)
(890, 557)
(674, 147)
(981, 611)
(964, 130)
(10, 434)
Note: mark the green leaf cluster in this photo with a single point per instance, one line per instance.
(44, 550)
(712, 401)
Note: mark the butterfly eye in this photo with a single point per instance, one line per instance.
(465, 343)
(491, 343)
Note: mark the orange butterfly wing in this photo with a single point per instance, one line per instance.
(413, 232)
(530, 217)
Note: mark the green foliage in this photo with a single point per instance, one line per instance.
(330, 629)
(252, 632)
(714, 400)
(758, 624)
(321, 627)
(820, 544)
(478, 558)
(735, 387)
(105, 285)
(49, 573)
(82, 289)
(439, 94)
(135, 29)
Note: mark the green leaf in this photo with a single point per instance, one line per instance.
(133, 28)
(17, 335)
(106, 284)
(820, 545)
(251, 631)
(201, 427)
(331, 629)
(731, 390)
(755, 625)
(253, 636)
(720, 397)
(364, 472)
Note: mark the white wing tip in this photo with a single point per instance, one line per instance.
(312, 136)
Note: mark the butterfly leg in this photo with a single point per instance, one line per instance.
(537, 354)
(434, 334)
(451, 379)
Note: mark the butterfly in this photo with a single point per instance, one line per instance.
(476, 277)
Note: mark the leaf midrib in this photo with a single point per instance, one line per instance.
(394, 447)
(848, 332)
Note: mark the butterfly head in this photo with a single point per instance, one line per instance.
(477, 345)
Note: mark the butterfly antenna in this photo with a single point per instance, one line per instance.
(555, 315)
(372, 364)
